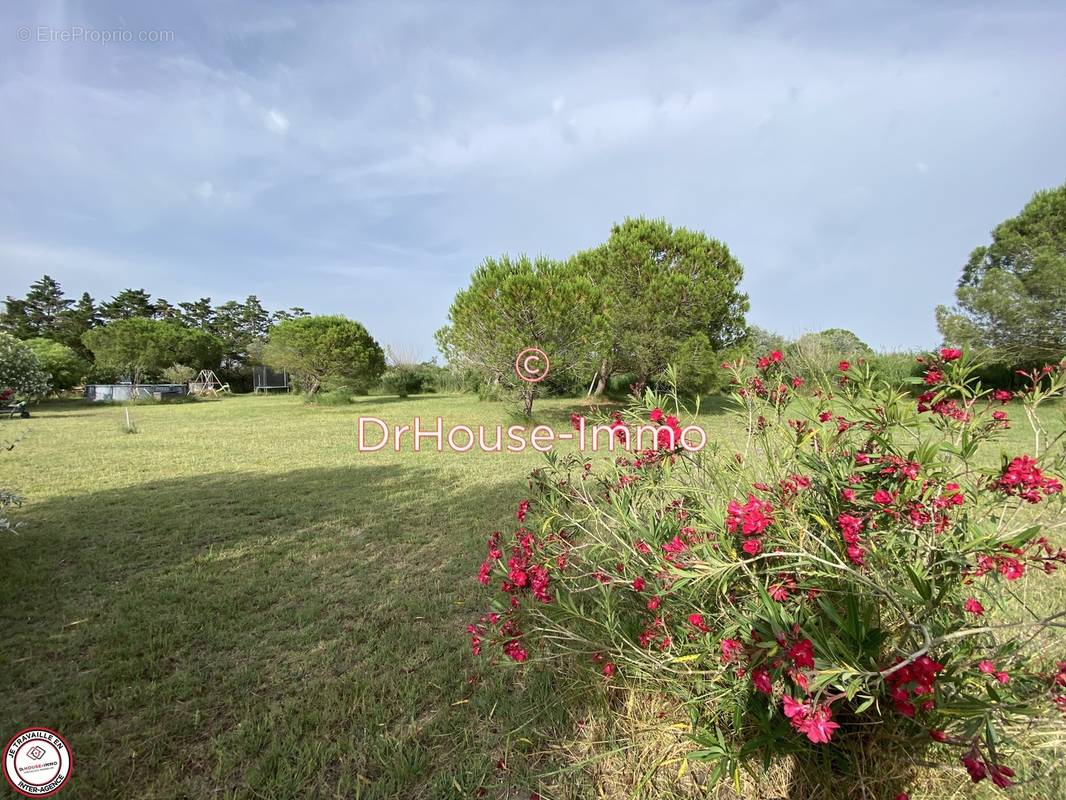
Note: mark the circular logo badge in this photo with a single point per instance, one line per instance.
(532, 365)
(37, 762)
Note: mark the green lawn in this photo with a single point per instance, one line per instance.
(234, 602)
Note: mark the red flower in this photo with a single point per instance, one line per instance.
(818, 725)
(1002, 395)
(938, 735)
(987, 667)
(1023, 478)
(973, 606)
(731, 649)
(515, 651)
(674, 548)
(638, 584)
(850, 527)
(780, 589)
(975, 766)
(641, 547)
(760, 678)
(752, 518)
(844, 366)
(654, 603)
(609, 670)
(950, 354)
(1001, 775)
(523, 507)
(752, 547)
(815, 723)
(1011, 568)
(802, 654)
(883, 498)
(793, 708)
(696, 620)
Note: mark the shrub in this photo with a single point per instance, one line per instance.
(179, 373)
(815, 355)
(65, 367)
(401, 380)
(842, 590)
(895, 369)
(20, 370)
(340, 396)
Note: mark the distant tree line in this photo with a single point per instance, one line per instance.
(133, 335)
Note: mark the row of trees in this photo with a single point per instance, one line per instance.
(650, 297)
(133, 335)
(45, 312)
(653, 295)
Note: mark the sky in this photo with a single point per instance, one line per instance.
(362, 159)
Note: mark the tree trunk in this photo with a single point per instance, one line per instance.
(527, 400)
(601, 381)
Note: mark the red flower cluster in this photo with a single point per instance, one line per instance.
(913, 681)
(979, 769)
(850, 528)
(774, 357)
(814, 721)
(523, 575)
(773, 362)
(1023, 478)
(1011, 562)
(696, 621)
(751, 519)
(989, 668)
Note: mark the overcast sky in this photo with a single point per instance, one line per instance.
(362, 159)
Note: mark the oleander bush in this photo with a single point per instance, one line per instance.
(850, 588)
